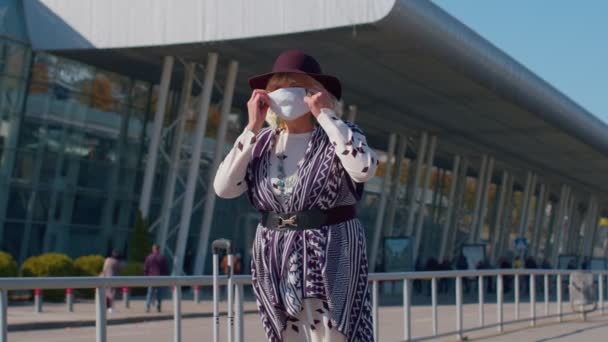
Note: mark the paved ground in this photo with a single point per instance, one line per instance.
(134, 325)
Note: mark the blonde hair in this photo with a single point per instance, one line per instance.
(281, 80)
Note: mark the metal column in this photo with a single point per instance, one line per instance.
(498, 226)
(448, 219)
(478, 191)
(174, 164)
(203, 244)
(392, 140)
(484, 198)
(193, 170)
(395, 185)
(413, 193)
(423, 197)
(558, 224)
(150, 171)
(461, 184)
(525, 204)
(541, 203)
(506, 218)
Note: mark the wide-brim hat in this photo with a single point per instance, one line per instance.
(294, 61)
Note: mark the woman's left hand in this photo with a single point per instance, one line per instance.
(317, 101)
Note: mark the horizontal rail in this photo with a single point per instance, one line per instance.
(141, 281)
(177, 282)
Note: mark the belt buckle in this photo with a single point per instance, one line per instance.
(283, 223)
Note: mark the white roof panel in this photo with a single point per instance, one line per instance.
(86, 24)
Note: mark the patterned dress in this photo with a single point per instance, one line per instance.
(329, 264)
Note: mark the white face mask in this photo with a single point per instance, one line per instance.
(288, 103)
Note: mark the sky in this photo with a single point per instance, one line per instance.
(565, 42)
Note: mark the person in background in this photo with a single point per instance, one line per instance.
(111, 268)
(462, 264)
(444, 283)
(155, 265)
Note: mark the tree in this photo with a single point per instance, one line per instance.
(141, 242)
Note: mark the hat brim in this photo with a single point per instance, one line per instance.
(331, 83)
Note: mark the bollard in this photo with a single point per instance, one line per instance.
(196, 292)
(38, 300)
(69, 299)
(126, 297)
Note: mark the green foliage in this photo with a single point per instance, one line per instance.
(8, 265)
(89, 265)
(134, 269)
(140, 242)
(50, 265)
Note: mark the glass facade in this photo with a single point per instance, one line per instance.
(73, 142)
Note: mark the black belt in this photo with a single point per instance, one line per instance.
(308, 219)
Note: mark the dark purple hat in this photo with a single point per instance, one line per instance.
(298, 62)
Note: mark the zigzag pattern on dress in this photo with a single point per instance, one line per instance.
(331, 261)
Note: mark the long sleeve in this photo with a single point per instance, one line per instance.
(357, 158)
(229, 180)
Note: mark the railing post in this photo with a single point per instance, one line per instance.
(38, 300)
(177, 314)
(239, 324)
(126, 298)
(69, 299)
(559, 297)
(459, 336)
(434, 303)
(601, 292)
(196, 292)
(516, 296)
(375, 308)
(3, 316)
(480, 289)
(100, 314)
(499, 294)
(546, 287)
(407, 324)
(532, 291)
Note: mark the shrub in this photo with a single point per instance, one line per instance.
(49, 265)
(140, 242)
(134, 269)
(8, 265)
(89, 265)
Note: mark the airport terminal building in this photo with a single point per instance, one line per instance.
(112, 107)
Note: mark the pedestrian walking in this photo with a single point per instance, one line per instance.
(305, 174)
(111, 268)
(155, 265)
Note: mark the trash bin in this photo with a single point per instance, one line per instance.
(582, 292)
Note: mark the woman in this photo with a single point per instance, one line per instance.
(111, 268)
(304, 173)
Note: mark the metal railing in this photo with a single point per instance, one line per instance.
(177, 283)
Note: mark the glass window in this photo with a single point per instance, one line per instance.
(17, 203)
(13, 23)
(11, 241)
(108, 89)
(88, 209)
(11, 94)
(13, 59)
(139, 95)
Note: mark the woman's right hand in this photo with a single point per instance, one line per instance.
(257, 106)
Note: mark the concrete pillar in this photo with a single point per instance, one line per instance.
(395, 185)
(447, 226)
(424, 196)
(203, 243)
(414, 191)
(478, 191)
(193, 170)
(150, 171)
(382, 205)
